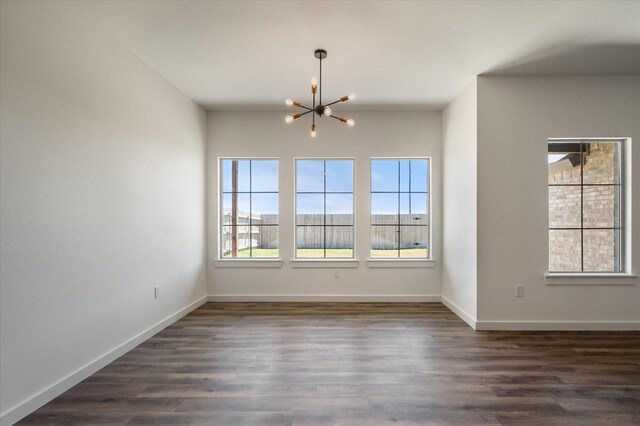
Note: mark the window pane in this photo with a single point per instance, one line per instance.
(309, 175)
(339, 241)
(384, 175)
(225, 241)
(384, 241)
(419, 175)
(413, 209)
(404, 175)
(243, 175)
(267, 242)
(264, 209)
(310, 209)
(600, 250)
(242, 208)
(384, 208)
(310, 241)
(246, 236)
(564, 162)
(564, 206)
(601, 162)
(564, 251)
(225, 175)
(414, 241)
(339, 175)
(339, 209)
(600, 206)
(264, 175)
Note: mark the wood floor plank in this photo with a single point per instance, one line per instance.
(432, 417)
(215, 418)
(357, 364)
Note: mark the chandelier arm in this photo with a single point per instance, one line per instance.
(334, 102)
(305, 113)
(337, 118)
(305, 107)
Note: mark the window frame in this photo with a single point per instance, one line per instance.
(622, 229)
(429, 194)
(221, 260)
(295, 257)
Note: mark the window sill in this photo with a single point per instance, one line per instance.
(248, 263)
(591, 279)
(324, 263)
(401, 263)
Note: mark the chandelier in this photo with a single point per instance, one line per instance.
(320, 109)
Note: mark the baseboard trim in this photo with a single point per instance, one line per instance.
(23, 409)
(559, 325)
(464, 316)
(321, 298)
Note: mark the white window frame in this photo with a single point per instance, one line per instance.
(269, 262)
(409, 261)
(329, 261)
(626, 276)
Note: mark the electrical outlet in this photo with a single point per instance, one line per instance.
(336, 275)
(519, 291)
(156, 292)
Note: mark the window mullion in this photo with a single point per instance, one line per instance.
(324, 215)
(399, 209)
(250, 212)
(582, 206)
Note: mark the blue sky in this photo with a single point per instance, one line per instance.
(310, 178)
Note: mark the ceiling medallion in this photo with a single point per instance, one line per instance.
(319, 109)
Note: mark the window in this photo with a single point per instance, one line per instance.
(400, 208)
(249, 208)
(324, 209)
(585, 205)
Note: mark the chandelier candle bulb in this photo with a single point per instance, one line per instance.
(351, 96)
(313, 131)
(350, 122)
(288, 102)
(327, 111)
(288, 119)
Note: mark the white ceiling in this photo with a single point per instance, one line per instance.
(396, 54)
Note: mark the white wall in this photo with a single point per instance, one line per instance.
(459, 208)
(516, 116)
(102, 194)
(376, 134)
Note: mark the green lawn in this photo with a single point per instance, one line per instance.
(319, 253)
(332, 253)
(256, 252)
(411, 253)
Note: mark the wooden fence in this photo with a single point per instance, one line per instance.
(386, 234)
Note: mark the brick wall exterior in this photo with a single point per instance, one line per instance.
(600, 209)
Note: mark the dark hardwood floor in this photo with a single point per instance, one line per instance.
(357, 364)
